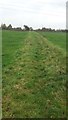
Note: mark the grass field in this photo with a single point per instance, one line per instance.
(34, 75)
(0, 74)
(57, 38)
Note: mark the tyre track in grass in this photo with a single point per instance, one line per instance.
(34, 85)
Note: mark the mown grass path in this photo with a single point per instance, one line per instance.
(34, 84)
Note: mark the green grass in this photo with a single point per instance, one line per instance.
(57, 38)
(11, 42)
(0, 74)
(34, 77)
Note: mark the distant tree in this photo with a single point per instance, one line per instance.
(3, 26)
(38, 29)
(19, 28)
(50, 29)
(9, 27)
(26, 27)
(31, 28)
(53, 30)
(44, 29)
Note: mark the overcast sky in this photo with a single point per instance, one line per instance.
(35, 13)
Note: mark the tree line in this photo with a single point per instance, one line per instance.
(9, 27)
(27, 28)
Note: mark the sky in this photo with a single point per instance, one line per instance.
(34, 13)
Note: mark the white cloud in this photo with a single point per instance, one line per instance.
(36, 13)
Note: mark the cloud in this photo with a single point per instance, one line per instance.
(36, 13)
